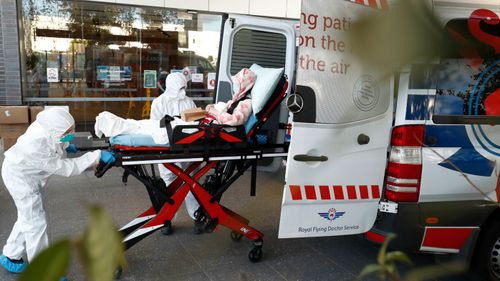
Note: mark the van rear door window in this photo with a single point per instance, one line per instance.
(267, 49)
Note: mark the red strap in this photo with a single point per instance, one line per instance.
(140, 148)
(229, 138)
(191, 138)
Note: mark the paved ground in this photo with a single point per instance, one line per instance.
(185, 256)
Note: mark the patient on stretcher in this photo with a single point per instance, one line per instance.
(237, 111)
(109, 125)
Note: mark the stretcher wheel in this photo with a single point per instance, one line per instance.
(211, 225)
(102, 168)
(118, 273)
(255, 254)
(198, 227)
(236, 236)
(167, 228)
(125, 177)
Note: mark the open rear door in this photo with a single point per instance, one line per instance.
(247, 40)
(268, 42)
(340, 135)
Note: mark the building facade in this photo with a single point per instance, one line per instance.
(113, 55)
(10, 74)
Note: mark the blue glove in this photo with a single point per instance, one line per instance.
(107, 157)
(71, 149)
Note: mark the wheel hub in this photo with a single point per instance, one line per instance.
(495, 259)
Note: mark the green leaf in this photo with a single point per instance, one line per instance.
(383, 249)
(101, 246)
(370, 269)
(49, 265)
(390, 268)
(398, 256)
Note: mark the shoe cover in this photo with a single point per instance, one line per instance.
(12, 266)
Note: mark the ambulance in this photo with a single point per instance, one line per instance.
(416, 154)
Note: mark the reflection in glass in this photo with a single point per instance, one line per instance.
(92, 56)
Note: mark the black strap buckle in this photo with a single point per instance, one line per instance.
(165, 123)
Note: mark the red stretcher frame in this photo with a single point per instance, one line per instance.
(155, 218)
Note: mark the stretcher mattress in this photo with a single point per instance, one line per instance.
(138, 140)
(135, 140)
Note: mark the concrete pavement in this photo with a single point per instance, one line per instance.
(185, 256)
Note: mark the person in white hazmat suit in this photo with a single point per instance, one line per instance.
(38, 154)
(172, 102)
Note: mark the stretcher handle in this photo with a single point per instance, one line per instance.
(309, 158)
(102, 168)
(92, 148)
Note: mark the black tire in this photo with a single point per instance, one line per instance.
(167, 229)
(211, 225)
(488, 254)
(255, 254)
(235, 236)
(198, 227)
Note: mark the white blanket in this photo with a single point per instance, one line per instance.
(109, 125)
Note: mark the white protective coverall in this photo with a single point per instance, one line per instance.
(172, 102)
(37, 155)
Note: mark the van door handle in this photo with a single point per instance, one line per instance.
(309, 158)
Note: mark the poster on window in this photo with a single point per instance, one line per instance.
(211, 80)
(102, 72)
(149, 79)
(197, 77)
(52, 75)
(114, 73)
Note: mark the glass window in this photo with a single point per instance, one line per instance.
(468, 83)
(95, 57)
(252, 46)
(422, 77)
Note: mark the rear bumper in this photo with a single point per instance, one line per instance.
(453, 228)
(405, 224)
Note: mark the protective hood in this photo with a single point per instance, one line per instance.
(174, 100)
(175, 86)
(40, 149)
(55, 121)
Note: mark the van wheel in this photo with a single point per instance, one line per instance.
(488, 262)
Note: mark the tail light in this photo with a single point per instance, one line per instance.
(404, 171)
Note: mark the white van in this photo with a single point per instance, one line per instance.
(417, 155)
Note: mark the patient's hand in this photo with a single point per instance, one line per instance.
(209, 107)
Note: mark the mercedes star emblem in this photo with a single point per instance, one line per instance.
(295, 103)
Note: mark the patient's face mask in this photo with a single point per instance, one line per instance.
(68, 137)
(236, 87)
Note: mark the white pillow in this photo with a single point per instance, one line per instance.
(267, 80)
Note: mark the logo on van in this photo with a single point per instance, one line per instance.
(295, 103)
(332, 214)
(365, 93)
